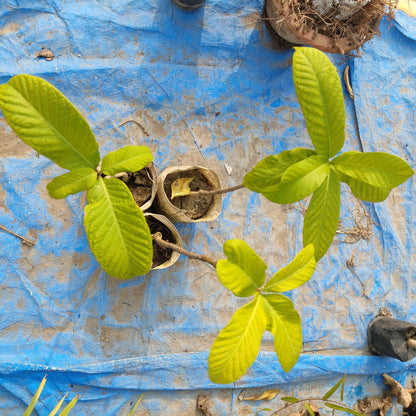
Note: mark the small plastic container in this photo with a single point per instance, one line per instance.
(189, 4)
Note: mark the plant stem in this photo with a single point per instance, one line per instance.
(218, 191)
(157, 237)
(24, 240)
(311, 399)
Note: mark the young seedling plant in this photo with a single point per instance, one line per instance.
(46, 120)
(292, 175)
(244, 273)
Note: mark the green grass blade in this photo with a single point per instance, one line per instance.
(58, 406)
(309, 409)
(332, 390)
(343, 409)
(35, 398)
(71, 404)
(131, 413)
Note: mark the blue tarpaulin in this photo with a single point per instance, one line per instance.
(210, 90)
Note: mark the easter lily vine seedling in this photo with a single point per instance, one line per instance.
(116, 228)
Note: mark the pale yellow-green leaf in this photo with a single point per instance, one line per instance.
(284, 324)
(47, 121)
(295, 274)
(319, 92)
(117, 231)
(180, 187)
(70, 183)
(322, 216)
(380, 170)
(69, 406)
(126, 159)
(58, 406)
(300, 180)
(237, 345)
(267, 174)
(35, 398)
(244, 271)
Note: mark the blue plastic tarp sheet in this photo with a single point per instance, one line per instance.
(210, 90)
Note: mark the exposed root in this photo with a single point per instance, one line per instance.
(362, 230)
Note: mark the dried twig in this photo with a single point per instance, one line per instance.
(24, 240)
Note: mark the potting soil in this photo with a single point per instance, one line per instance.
(210, 90)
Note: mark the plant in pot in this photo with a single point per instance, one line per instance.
(292, 175)
(334, 26)
(116, 228)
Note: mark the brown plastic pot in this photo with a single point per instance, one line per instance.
(285, 23)
(175, 214)
(176, 237)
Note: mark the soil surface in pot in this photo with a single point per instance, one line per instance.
(140, 185)
(160, 254)
(194, 206)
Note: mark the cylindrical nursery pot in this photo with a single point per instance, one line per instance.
(392, 338)
(189, 4)
(189, 208)
(289, 25)
(143, 186)
(159, 223)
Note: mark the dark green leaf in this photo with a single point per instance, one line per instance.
(322, 216)
(319, 92)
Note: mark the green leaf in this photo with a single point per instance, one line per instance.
(35, 398)
(380, 170)
(367, 192)
(343, 409)
(117, 230)
(295, 274)
(309, 408)
(127, 159)
(322, 216)
(136, 405)
(284, 324)
(72, 182)
(47, 121)
(238, 344)
(244, 271)
(289, 399)
(300, 180)
(70, 405)
(333, 389)
(319, 92)
(267, 174)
